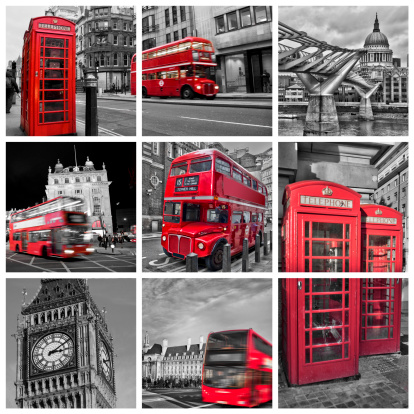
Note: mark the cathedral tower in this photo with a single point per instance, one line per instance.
(64, 350)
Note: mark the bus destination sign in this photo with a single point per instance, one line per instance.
(186, 189)
(54, 27)
(193, 180)
(379, 220)
(325, 202)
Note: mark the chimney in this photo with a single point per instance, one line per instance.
(188, 344)
(164, 346)
(201, 342)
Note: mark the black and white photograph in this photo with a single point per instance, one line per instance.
(343, 343)
(343, 71)
(207, 206)
(225, 323)
(71, 70)
(207, 70)
(343, 206)
(73, 344)
(71, 207)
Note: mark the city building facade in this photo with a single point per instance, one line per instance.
(65, 353)
(242, 39)
(392, 188)
(172, 362)
(90, 185)
(105, 44)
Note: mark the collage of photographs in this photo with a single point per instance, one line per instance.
(73, 205)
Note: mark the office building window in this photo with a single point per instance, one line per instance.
(220, 24)
(260, 14)
(167, 18)
(176, 35)
(174, 14)
(168, 38)
(184, 32)
(232, 21)
(245, 17)
(182, 13)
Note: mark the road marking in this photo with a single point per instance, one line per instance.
(143, 258)
(12, 255)
(31, 261)
(27, 264)
(107, 268)
(160, 254)
(206, 405)
(178, 269)
(112, 109)
(65, 267)
(101, 129)
(226, 122)
(152, 262)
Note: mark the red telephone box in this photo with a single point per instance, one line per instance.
(380, 316)
(321, 228)
(382, 235)
(48, 78)
(320, 329)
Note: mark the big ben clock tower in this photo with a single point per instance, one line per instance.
(64, 350)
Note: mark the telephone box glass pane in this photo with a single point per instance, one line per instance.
(53, 95)
(327, 353)
(306, 228)
(377, 333)
(54, 53)
(54, 42)
(379, 241)
(54, 117)
(377, 307)
(53, 84)
(54, 106)
(54, 74)
(326, 336)
(328, 248)
(377, 320)
(327, 230)
(53, 63)
(326, 302)
(327, 265)
(322, 319)
(326, 285)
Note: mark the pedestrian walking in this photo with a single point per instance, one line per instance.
(11, 87)
(266, 81)
(105, 241)
(100, 241)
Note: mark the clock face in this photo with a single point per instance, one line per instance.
(53, 351)
(105, 361)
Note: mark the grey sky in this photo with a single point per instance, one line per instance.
(118, 296)
(254, 147)
(177, 309)
(349, 26)
(17, 22)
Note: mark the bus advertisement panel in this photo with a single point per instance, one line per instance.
(209, 201)
(54, 228)
(180, 68)
(237, 369)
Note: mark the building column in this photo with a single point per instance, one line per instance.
(384, 86)
(399, 89)
(392, 88)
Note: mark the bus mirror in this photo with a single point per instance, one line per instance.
(195, 56)
(213, 57)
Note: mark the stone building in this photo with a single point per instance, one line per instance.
(90, 185)
(65, 353)
(172, 362)
(106, 40)
(392, 188)
(242, 39)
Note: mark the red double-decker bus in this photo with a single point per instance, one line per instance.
(54, 228)
(209, 201)
(134, 75)
(237, 369)
(179, 68)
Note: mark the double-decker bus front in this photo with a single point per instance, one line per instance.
(134, 75)
(237, 369)
(179, 69)
(54, 228)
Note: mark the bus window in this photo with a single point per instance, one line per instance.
(191, 212)
(178, 169)
(33, 236)
(172, 212)
(144, 77)
(161, 75)
(188, 71)
(260, 189)
(217, 215)
(197, 45)
(200, 71)
(247, 181)
(236, 217)
(222, 166)
(200, 165)
(260, 217)
(152, 76)
(16, 236)
(246, 216)
(184, 46)
(254, 218)
(208, 47)
(237, 175)
(144, 56)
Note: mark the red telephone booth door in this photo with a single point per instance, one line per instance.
(380, 251)
(54, 63)
(327, 243)
(380, 316)
(327, 329)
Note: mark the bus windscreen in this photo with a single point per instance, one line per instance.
(227, 340)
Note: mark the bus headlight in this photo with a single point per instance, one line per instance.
(90, 249)
(198, 87)
(164, 238)
(200, 246)
(163, 224)
(216, 87)
(68, 251)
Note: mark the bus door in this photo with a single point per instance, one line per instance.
(254, 226)
(24, 241)
(237, 230)
(57, 241)
(246, 228)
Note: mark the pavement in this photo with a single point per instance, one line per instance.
(229, 100)
(383, 384)
(112, 121)
(181, 398)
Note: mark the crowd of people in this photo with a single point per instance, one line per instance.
(171, 382)
(111, 241)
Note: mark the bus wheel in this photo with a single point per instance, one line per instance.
(44, 253)
(187, 93)
(166, 252)
(144, 93)
(215, 260)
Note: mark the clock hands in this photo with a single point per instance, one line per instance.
(56, 349)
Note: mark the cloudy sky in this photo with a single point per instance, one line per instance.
(177, 309)
(349, 26)
(118, 296)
